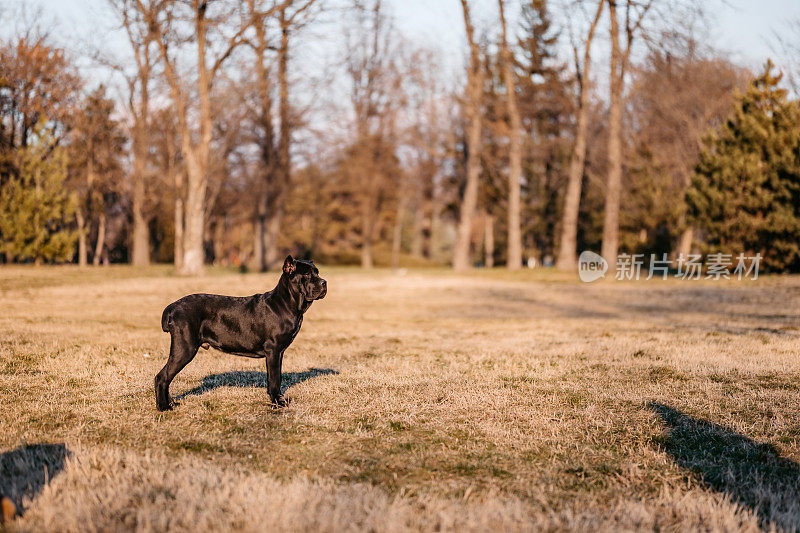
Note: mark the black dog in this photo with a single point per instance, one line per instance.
(262, 325)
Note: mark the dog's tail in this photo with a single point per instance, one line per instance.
(166, 316)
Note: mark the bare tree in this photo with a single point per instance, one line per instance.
(787, 44)
(275, 168)
(426, 143)
(375, 82)
(166, 152)
(566, 256)
(472, 108)
(37, 80)
(138, 85)
(263, 48)
(634, 14)
(514, 261)
(167, 19)
(397, 229)
(95, 147)
(677, 95)
(488, 240)
(283, 175)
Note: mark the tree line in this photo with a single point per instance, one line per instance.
(216, 137)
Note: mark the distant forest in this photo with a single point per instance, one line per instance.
(604, 125)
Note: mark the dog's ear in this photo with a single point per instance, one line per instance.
(289, 265)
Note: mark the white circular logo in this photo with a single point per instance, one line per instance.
(591, 266)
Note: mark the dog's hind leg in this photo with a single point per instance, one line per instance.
(183, 348)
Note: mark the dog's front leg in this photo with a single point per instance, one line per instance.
(274, 359)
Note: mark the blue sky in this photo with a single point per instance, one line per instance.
(741, 27)
(744, 28)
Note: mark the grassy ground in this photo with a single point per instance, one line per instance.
(425, 401)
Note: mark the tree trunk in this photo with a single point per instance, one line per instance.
(101, 239)
(259, 263)
(192, 106)
(567, 246)
(196, 157)
(272, 256)
(141, 233)
(614, 185)
(434, 240)
(92, 194)
(488, 240)
(417, 235)
(685, 242)
(82, 251)
(366, 254)
(194, 219)
(178, 244)
(219, 240)
(284, 140)
(366, 244)
(397, 230)
(462, 252)
(462, 256)
(264, 235)
(139, 109)
(687, 235)
(514, 261)
(195, 152)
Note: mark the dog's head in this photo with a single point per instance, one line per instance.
(304, 275)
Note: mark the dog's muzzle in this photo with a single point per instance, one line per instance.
(323, 291)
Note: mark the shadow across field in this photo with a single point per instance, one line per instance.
(752, 474)
(25, 471)
(728, 308)
(253, 378)
(505, 303)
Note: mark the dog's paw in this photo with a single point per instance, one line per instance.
(167, 406)
(279, 401)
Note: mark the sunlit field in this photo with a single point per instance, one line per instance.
(424, 401)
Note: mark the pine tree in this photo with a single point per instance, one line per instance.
(546, 103)
(35, 210)
(745, 194)
(538, 42)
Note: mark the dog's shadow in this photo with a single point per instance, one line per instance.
(26, 470)
(752, 474)
(253, 378)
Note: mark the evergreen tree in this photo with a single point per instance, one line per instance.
(745, 194)
(546, 104)
(35, 210)
(537, 42)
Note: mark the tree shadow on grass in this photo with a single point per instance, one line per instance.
(26, 470)
(252, 378)
(752, 474)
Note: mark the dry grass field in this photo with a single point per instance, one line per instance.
(427, 401)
